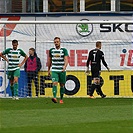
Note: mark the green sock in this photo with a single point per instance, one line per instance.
(54, 91)
(12, 89)
(62, 91)
(15, 89)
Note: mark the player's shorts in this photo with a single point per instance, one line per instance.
(12, 74)
(95, 73)
(59, 77)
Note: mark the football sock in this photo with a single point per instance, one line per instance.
(93, 86)
(15, 89)
(62, 91)
(12, 89)
(54, 91)
(99, 91)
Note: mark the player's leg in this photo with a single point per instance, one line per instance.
(55, 79)
(35, 78)
(96, 85)
(29, 80)
(99, 91)
(16, 76)
(93, 86)
(62, 81)
(11, 80)
(98, 88)
(12, 88)
(101, 83)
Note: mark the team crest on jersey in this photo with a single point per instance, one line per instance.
(84, 29)
(57, 55)
(14, 56)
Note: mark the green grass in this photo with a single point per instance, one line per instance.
(76, 115)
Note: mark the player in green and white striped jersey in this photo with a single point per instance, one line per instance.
(58, 60)
(14, 66)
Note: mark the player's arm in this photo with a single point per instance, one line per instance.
(24, 60)
(65, 59)
(88, 62)
(66, 63)
(49, 64)
(25, 66)
(104, 62)
(22, 53)
(4, 57)
(6, 51)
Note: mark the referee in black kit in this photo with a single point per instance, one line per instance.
(94, 59)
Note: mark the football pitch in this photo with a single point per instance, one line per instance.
(76, 115)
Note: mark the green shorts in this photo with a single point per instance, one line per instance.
(59, 77)
(12, 74)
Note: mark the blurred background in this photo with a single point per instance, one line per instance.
(32, 6)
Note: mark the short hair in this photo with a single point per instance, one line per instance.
(57, 38)
(14, 41)
(32, 49)
(98, 43)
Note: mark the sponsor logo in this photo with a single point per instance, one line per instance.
(7, 27)
(84, 29)
(126, 57)
(116, 27)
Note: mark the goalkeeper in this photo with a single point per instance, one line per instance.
(95, 57)
(58, 60)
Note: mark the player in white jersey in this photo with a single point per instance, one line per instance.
(14, 66)
(58, 60)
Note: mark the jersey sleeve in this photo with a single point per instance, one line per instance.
(6, 51)
(22, 53)
(50, 53)
(65, 52)
(89, 59)
(103, 60)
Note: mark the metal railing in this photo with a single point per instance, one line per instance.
(33, 6)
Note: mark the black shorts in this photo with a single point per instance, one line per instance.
(95, 72)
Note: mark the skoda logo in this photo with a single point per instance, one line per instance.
(84, 29)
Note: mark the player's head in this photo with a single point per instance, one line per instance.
(15, 44)
(98, 44)
(57, 42)
(31, 51)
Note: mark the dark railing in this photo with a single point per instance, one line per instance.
(33, 6)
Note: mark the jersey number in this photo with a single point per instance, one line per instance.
(94, 55)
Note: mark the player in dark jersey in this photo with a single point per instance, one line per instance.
(94, 59)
